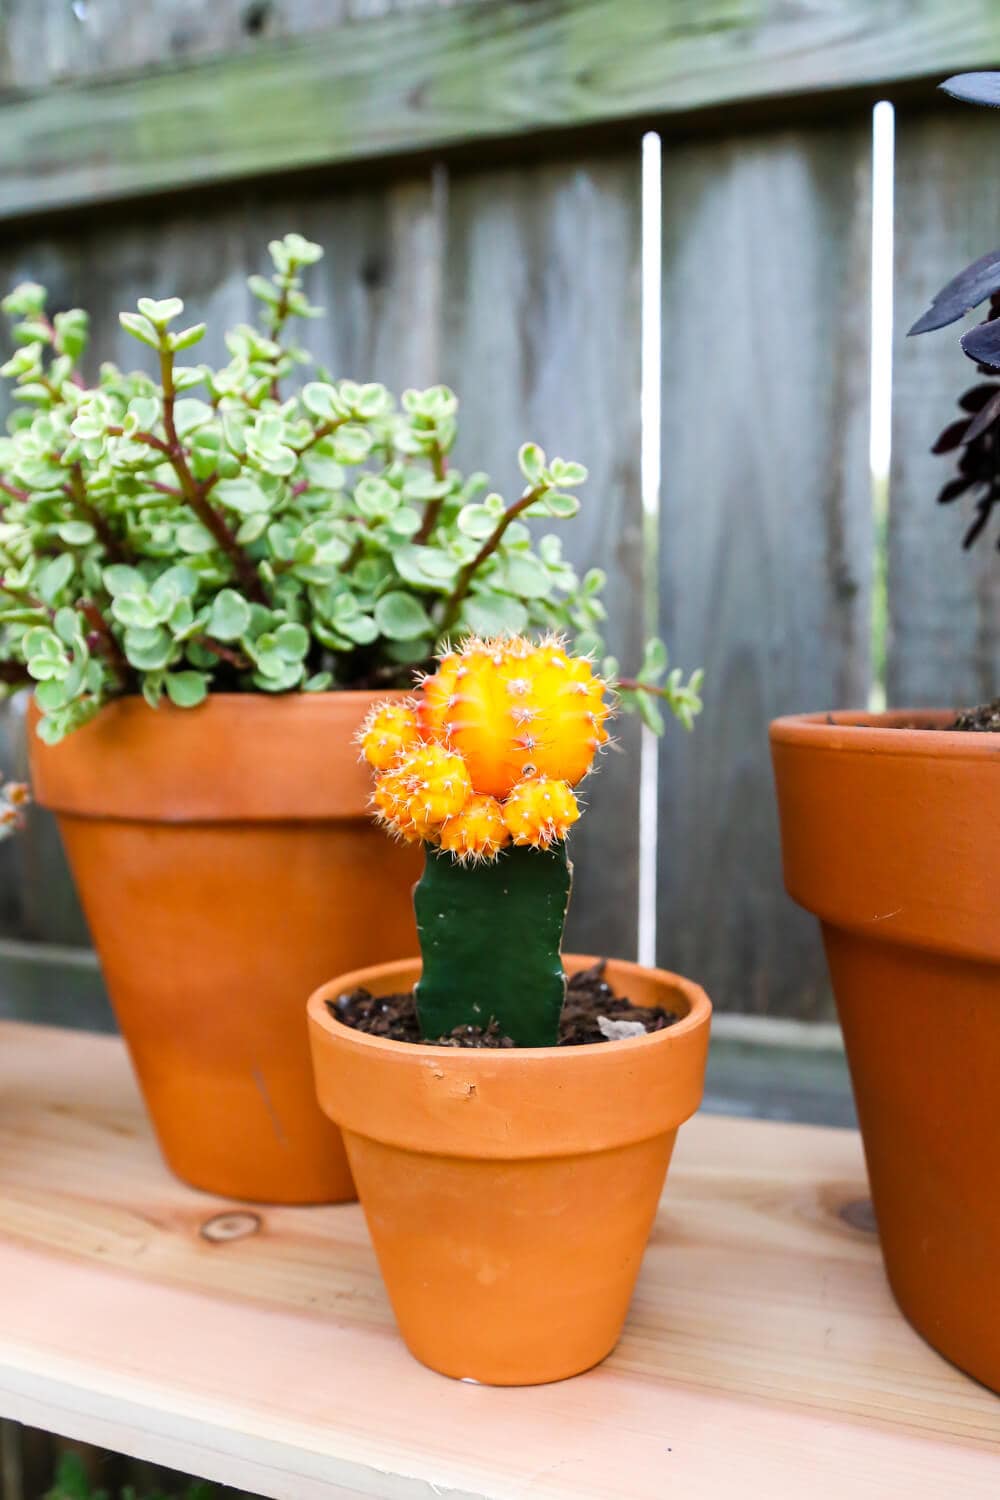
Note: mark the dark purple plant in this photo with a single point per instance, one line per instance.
(977, 431)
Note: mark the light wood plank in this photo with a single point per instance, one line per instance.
(765, 527)
(541, 340)
(763, 1354)
(415, 79)
(944, 603)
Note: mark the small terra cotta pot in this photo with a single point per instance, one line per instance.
(510, 1193)
(226, 864)
(889, 835)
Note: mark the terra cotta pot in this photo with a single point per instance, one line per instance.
(510, 1193)
(226, 865)
(889, 835)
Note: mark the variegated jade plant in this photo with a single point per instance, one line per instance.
(481, 767)
(200, 529)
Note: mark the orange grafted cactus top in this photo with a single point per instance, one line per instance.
(389, 728)
(510, 706)
(491, 749)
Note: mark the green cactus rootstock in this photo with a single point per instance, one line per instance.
(490, 936)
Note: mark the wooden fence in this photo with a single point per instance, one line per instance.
(473, 170)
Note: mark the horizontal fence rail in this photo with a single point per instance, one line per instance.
(167, 98)
(519, 284)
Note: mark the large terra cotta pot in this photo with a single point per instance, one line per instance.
(510, 1193)
(226, 865)
(889, 835)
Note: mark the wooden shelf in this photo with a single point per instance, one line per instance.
(763, 1354)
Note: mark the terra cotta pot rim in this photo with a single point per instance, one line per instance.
(236, 757)
(518, 1102)
(250, 702)
(887, 733)
(698, 1012)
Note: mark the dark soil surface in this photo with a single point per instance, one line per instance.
(982, 720)
(589, 1000)
(985, 719)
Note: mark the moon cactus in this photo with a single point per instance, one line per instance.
(481, 766)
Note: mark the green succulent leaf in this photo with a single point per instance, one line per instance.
(565, 507)
(76, 533)
(494, 614)
(160, 313)
(186, 339)
(148, 648)
(229, 617)
(121, 579)
(186, 689)
(531, 459)
(401, 617)
(140, 328)
(190, 414)
(291, 642)
(243, 494)
(527, 577)
(53, 576)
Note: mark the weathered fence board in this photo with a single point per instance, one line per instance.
(420, 78)
(542, 339)
(46, 42)
(944, 602)
(765, 525)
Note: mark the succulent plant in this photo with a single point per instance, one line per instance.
(200, 529)
(481, 767)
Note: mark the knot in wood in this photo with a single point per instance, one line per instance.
(230, 1226)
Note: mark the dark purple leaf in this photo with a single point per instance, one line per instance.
(974, 88)
(986, 417)
(964, 292)
(953, 436)
(982, 343)
(953, 489)
(983, 508)
(976, 397)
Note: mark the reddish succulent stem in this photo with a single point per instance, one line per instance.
(440, 465)
(322, 431)
(280, 317)
(149, 438)
(77, 491)
(31, 600)
(224, 653)
(110, 648)
(196, 494)
(633, 685)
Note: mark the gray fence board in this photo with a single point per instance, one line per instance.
(541, 338)
(765, 526)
